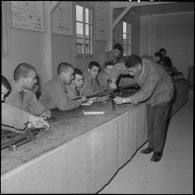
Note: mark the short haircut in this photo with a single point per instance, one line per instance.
(133, 60)
(162, 50)
(94, 63)
(108, 64)
(158, 54)
(118, 46)
(23, 70)
(167, 62)
(63, 67)
(77, 71)
(5, 83)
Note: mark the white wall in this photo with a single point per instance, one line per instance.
(174, 32)
(31, 47)
(24, 46)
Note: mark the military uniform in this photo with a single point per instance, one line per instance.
(109, 57)
(55, 95)
(104, 79)
(157, 90)
(91, 86)
(13, 117)
(73, 91)
(25, 100)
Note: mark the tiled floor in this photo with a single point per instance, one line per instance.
(173, 174)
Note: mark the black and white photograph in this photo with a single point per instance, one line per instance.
(97, 97)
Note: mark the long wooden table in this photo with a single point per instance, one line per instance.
(80, 154)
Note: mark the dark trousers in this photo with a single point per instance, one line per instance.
(157, 118)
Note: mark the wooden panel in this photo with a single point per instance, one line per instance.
(180, 95)
(126, 139)
(103, 144)
(140, 122)
(174, 32)
(131, 135)
(64, 170)
(83, 164)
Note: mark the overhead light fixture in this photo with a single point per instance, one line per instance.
(138, 1)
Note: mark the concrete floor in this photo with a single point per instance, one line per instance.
(173, 174)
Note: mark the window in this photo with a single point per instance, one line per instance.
(126, 39)
(83, 30)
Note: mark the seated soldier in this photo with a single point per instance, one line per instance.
(91, 81)
(55, 94)
(114, 56)
(21, 95)
(158, 57)
(15, 118)
(104, 76)
(74, 89)
(168, 66)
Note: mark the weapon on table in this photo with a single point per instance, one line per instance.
(124, 91)
(112, 93)
(12, 140)
(115, 92)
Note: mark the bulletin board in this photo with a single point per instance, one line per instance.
(27, 15)
(62, 19)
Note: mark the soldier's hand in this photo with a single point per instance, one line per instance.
(112, 85)
(46, 114)
(84, 99)
(118, 100)
(38, 122)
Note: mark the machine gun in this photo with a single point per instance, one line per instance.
(125, 91)
(15, 138)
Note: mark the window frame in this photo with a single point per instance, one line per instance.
(5, 31)
(127, 45)
(90, 38)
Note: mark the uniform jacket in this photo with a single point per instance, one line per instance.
(156, 85)
(55, 95)
(29, 104)
(109, 57)
(103, 78)
(72, 91)
(91, 86)
(13, 117)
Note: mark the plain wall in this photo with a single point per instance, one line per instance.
(23, 46)
(174, 32)
(28, 46)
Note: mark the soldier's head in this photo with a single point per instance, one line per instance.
(94, 69)
(163, 52)
(5, 87)
(108, 66)
(117, 51)
(158, 57)
(25, 76)
(65, 72)
(134, 65)
(78, 78)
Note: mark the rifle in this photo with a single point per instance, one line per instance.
(12, 140)
(117, 92)
(124, 91)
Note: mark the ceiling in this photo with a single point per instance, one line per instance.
(164, 8)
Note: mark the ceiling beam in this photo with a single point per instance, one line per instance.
(53, 5)
(121, 16)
